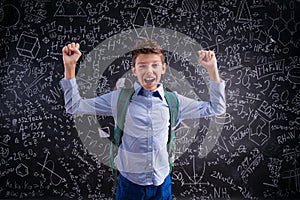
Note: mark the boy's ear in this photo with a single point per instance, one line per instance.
(133, 70)
(164, 68)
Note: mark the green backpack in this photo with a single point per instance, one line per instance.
(122, 106)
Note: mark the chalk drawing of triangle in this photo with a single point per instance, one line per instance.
(70, 9)
(243, 13)
(220, 143)
(205, 33)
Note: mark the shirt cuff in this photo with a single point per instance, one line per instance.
(222, 82)
(217, 85)
(67, 83)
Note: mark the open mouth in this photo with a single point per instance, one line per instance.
(149, 80)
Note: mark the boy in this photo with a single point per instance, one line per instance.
(142, 158)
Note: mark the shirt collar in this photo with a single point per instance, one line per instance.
(139, 90)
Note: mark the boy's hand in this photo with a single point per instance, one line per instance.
(71, 54)
(208, 60)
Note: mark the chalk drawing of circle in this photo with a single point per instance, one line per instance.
(9, 16)
(294, 75)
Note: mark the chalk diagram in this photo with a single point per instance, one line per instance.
(49, 166)
(28, 45)
(259, 130)
(243, 13)
(9, 17)
(143, 20)
(294, 75)
(69, 9)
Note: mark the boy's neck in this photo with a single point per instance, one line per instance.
(153, 89)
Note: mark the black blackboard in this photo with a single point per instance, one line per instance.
(251, 152)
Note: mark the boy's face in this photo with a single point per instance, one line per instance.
(148, 70)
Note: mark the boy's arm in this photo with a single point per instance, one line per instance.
(191, 108)
(74, 104)
(208, 60)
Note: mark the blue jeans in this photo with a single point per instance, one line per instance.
(126, 190)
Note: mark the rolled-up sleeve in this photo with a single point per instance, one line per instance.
(217, 97)
(75, 104)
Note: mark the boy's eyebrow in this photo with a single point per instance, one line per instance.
(144, 62)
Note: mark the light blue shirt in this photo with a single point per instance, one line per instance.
(143, 157)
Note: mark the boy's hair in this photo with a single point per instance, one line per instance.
(146, 47)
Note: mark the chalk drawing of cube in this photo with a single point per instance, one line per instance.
(28, 46)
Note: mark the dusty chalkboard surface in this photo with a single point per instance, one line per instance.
(251, 152)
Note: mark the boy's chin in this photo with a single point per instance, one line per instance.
(152, 86)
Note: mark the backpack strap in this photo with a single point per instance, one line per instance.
(173, 107)
(173, 110)
(122, 106)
